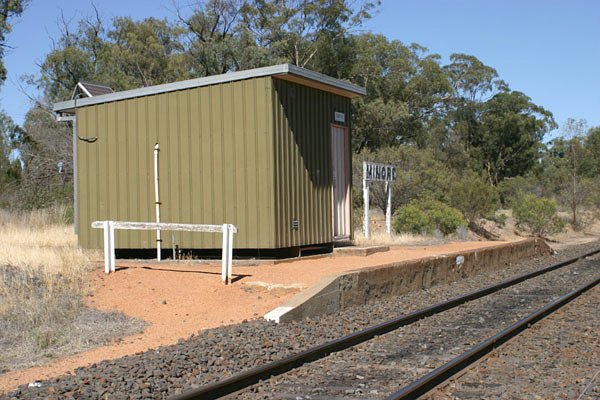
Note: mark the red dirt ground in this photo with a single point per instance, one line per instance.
(182, 298)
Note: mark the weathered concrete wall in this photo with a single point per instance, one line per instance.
(353, 288)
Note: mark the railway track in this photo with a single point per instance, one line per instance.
(458, 364)
(558, 358)
(378, 360)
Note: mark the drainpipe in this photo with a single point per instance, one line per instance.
(157, 200)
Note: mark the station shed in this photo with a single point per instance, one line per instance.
(266, 149)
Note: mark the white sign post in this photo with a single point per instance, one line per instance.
(380, 173)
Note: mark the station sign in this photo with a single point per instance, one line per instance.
(379, 172)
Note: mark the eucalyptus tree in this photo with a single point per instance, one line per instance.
(406, 92)
(509, 140)
(296, 31)
(592, 143)
(8, 10)
(124, 54)
(10, 166)
(45, 151)
(144, 53)
(472, 84)
(216, 40)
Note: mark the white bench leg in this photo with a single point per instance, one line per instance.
(106, 232)
(230, 252)
(109, 246)
(224, 255)
(111, 235)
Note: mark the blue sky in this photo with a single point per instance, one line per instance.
(550, 49)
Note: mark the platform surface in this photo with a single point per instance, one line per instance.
(181, 298)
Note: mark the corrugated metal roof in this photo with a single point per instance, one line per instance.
(95, 89)
(285, 71)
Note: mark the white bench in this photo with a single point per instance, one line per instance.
(109, 239)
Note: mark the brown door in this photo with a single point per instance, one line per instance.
(340, 160)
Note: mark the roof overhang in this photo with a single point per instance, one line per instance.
(283, 71)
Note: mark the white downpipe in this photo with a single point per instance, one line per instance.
(157, 200)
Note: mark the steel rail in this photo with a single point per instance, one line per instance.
(252, 376)
(441, 374)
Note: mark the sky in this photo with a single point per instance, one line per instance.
(547, 49)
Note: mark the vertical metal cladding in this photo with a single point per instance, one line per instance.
(255, 153)
(216, 164)
(302, 119)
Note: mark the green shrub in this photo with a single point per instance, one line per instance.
(474, 197)
(536, 214)
(410, 218)
(420, 217)
(510, 188)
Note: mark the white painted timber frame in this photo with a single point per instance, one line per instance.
(109, 239)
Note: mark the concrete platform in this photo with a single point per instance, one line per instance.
(359, 251)
(351, 288)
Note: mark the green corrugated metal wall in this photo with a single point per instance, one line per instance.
(215, 163)
(255, 153)
(303, 177)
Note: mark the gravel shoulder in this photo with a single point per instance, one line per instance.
(558, 358)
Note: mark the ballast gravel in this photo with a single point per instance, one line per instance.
(558, 358)
(385, 364)
(215, 354)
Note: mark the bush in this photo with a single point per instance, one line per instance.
(510, 188)
(410, 218)
(420, 217)
(536, 214)
(474, 197)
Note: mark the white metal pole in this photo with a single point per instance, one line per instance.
(106, 247)
(157, 201)
(388, 209)
(111, 239)
(225, 254)
(366, 207)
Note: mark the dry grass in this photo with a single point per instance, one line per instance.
(39, 245)
(380, 237)
(43, 284)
